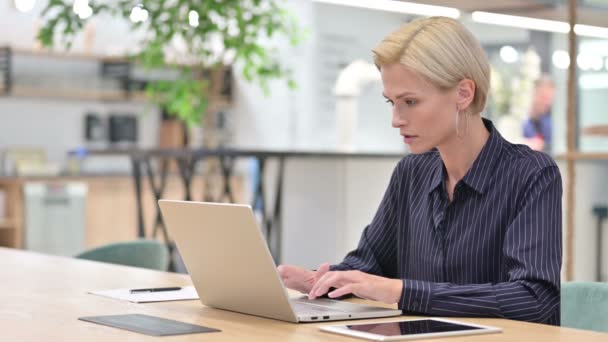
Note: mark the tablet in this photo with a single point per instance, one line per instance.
(410, 330)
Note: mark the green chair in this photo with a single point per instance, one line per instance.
(585, 306)
(139, 253)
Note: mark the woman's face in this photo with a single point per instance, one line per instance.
(424, 114)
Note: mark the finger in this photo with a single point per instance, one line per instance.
(283, 271)
(344, 290)
(323, 268)
(346, 278)
(296, 278)
(334, 280)
(318, 283)
(320, 272)
(296, 272)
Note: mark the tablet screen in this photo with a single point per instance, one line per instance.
(425, 326)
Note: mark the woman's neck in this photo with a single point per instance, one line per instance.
(458, 154)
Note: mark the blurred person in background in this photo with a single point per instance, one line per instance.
(537, 129)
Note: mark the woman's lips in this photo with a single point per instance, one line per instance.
(408, 139)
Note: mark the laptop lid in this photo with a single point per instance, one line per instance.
(227, 258)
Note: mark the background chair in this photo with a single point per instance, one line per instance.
(585, 305)
(150, 254)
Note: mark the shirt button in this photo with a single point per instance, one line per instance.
(415, 303)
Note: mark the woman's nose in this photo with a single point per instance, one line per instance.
(397, 119)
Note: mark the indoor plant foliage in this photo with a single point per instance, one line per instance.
(188, 36)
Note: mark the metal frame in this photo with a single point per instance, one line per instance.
(187, 161)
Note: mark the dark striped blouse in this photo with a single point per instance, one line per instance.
(494, 251)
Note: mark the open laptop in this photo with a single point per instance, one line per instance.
(231, 267)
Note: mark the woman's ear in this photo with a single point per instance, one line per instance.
(465, 93)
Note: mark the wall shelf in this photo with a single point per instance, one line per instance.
(115, 69)
(119, 69)
(78, 94)
(67, 55)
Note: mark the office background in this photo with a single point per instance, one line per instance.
(326, 202)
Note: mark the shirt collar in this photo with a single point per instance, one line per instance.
(479, 175)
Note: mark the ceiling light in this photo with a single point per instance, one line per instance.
(591, 31)
(588, 61)
(508, 54)
(24, 5)
(597, 63)
(583, 61)
(522, 22)
(538, 24)
(561, 59)
(398, 7)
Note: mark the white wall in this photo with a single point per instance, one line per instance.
(58, 125)
(328, 203)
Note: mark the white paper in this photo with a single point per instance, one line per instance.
(186, 293)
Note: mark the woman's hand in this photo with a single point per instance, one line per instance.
(301, 279)
(360, 284)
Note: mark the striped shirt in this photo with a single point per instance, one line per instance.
(494, 251)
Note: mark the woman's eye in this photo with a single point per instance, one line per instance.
(410, 102)
(389, 101)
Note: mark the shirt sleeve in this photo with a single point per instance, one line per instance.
(532, 255)
(376, 252)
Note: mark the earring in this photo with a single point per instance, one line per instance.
(466, 124)
(458, 123)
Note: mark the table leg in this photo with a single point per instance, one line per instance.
(186, 168)
(259, 201)
(136, 169)
(227, 166)
(277, 221)
(157, 191)
(271, 222)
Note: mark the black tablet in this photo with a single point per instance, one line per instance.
(410, 329)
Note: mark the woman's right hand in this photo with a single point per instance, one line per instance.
(301, 279)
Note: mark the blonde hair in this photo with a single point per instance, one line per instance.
(442, 51)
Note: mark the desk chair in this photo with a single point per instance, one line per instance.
(139, 253)
(585, 305)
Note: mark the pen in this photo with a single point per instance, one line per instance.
(156, 289)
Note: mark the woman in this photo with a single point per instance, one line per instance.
(470, 225)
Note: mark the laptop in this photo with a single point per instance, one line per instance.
(232, 269)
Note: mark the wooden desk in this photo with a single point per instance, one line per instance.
(42, 296)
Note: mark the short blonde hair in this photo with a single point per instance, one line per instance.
(442, 51)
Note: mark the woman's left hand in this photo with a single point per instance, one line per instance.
(360, 284)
